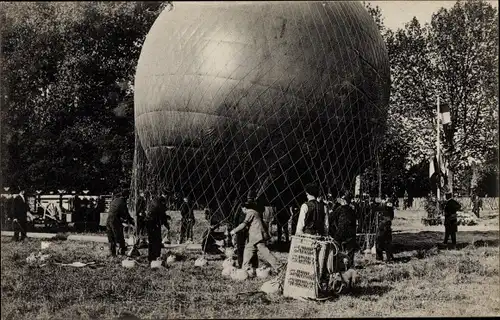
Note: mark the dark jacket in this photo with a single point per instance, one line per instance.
(156, 214)
(20, 209)
(450, 214)
(345, 223)
(314, 222)
(118, 212)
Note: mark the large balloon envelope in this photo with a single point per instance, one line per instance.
(232, 96)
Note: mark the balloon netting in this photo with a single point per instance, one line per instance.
(258, 116)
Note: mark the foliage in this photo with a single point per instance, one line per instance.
(68, 109)
(67, 70)
(451, 56)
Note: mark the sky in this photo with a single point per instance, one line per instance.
(397, 13)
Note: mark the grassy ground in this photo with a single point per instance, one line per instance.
(426, 280)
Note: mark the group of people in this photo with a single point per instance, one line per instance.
(151, 217)
(86, 213)
(336, 219)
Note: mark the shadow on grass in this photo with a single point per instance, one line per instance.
(127, 316)
(427, 240)
(372, 290)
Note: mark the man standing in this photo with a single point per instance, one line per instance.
(155, 217)
(187, 221)
(450, 219)
(20, 210)
(312, 214)
(117, 213)
(384, 233)
(345, 231)
(258, 236)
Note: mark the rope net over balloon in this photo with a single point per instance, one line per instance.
(263, 97)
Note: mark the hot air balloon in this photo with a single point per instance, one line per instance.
(233, 96)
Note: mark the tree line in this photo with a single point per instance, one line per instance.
(67, 71)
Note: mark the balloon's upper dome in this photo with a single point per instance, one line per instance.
(252, 62)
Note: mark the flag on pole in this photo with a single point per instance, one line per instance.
(438, 166)
(432, 167)
(444, 113)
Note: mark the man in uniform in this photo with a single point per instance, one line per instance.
(345, 233)
(155, 217)
(187, 221)
(451, 208)
(20, 210)
(117, 213)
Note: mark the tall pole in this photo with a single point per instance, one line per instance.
(438, 153)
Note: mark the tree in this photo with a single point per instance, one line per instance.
(68, 69)
(451, 57)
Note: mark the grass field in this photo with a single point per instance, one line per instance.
(425, 280)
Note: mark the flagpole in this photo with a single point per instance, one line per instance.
(438, 151)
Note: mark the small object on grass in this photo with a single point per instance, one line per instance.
(273, 286)
(129, 264)
(228, 271)
(374, 250)
(45, 245)
(229, 262)
(156, 264)
(263, 272)
(200, 262)
(76, 264)
(171, 259)
(31, 258)
(44, 257)
(239, 275)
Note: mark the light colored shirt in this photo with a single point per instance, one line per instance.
(302, 216)
(257, 229)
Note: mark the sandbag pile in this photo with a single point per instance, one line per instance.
(38, 258)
